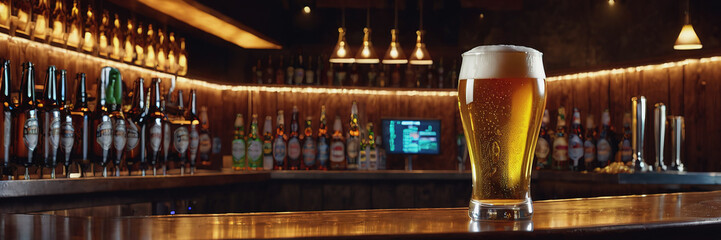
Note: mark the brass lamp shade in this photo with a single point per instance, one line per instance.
(366, 54)
(420, 55)
(395, 54)
(687, 39)
(341, 51)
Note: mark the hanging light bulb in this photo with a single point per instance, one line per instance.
(687, 38)
(367, 55)
(394, 54)
(420, 55)
(341, 52)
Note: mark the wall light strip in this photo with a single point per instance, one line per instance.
(617, 71)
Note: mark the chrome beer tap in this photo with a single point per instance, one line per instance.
(660, 133)
(638, 114)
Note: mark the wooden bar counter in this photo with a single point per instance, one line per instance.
(623, 217)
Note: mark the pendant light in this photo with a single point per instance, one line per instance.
(341, 51)
(395, 54)
(420, 55)
(687, 38)
(366, 54)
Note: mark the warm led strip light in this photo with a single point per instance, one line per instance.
(616, 71)
(99, 60)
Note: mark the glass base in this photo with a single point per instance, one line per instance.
(510, 212)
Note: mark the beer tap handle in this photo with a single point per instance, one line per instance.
(638, 108)
(660, 133)
(677, 138)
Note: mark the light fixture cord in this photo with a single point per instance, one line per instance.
(420, 6)
(368, 17)
(395, 14)
(688, 20)
(342, 23)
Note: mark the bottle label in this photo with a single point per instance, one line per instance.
(353, 150)
(204, 143)
(194, 141)
(156, 136)
(626, 152)
(181, 139)
(575, 149)
(167, 136)
(542, 149)
(267, 155)
(604, 151)
(279, 151)
(299, 75)
(309, 152)
(309, 77)
(67, 136)
(363, 162)
(104, 134)
(589, 152)
(7, 129)
(30, 133)
(55, 131)
(120, 135)
(337, 152)
(294, 148)
(373, 159)
(322, 153)
(255, 153)
(238, 152)
(560, 149)
(131, 136)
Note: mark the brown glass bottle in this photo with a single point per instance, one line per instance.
(8, 108)
(280, 144)
(27, 125)
(336, 157)
(154, 125)
(181, 135)
(134, 143)
(194, 135)
(294, 147)
(102, 124)
(67, 131)
(51, 121)
(81, 122)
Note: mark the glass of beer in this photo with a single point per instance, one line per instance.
(501, 97)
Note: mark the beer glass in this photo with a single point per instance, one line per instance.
(501, 97)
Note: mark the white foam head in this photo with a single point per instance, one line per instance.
(502, 61)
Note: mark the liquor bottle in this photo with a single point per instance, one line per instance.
(430, 83)
(167, 135)
(290, 71)
(299, 68)
(21, 11)
(103, 33)
(269, 72)
(381, 153)
(27, 120)
(337, 147)
(372, 76)
(589, 146)
(560, 143)
(309, 72)
(182, 59)
(279, 145)
(396, 76)
(162, 48)
(258, 73)
(323, 147)
(139, 45)
(309, 146)
(268, 143)
(90, 32)
(382, 76)
(81, 121)
(440, 74)
(624, 145)
(410, 76)
(255, 146)
(354, 75)
(150, 51)
(181, 135)
(353, 140)
(294, 148)
(238, 145)
(340, 75)
(371, 151)
(59, 19)
(453, 74)
(575, 143)
(154, 125)
(204, 144)
(129, 42)
(135, 121)
(329, 78)
(280, 72)
(75, 28)
(606, 143)
(542, 149)
(172, 54)
(8, 107)
(102, 123)
(41, 18)
(362, 155)
(67, 131)
(51, 121)
(116, 49)
(194, 135)
(117, 118)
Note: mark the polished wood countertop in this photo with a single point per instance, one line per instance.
(622, 217)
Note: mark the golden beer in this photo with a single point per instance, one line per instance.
(501, 97)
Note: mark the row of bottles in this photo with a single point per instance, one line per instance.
(577, 149)
(49, 131)
(317, 71)
(306, 150)
(127, 41)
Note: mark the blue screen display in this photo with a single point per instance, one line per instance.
(411, 136)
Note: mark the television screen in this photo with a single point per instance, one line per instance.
(411, 136)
